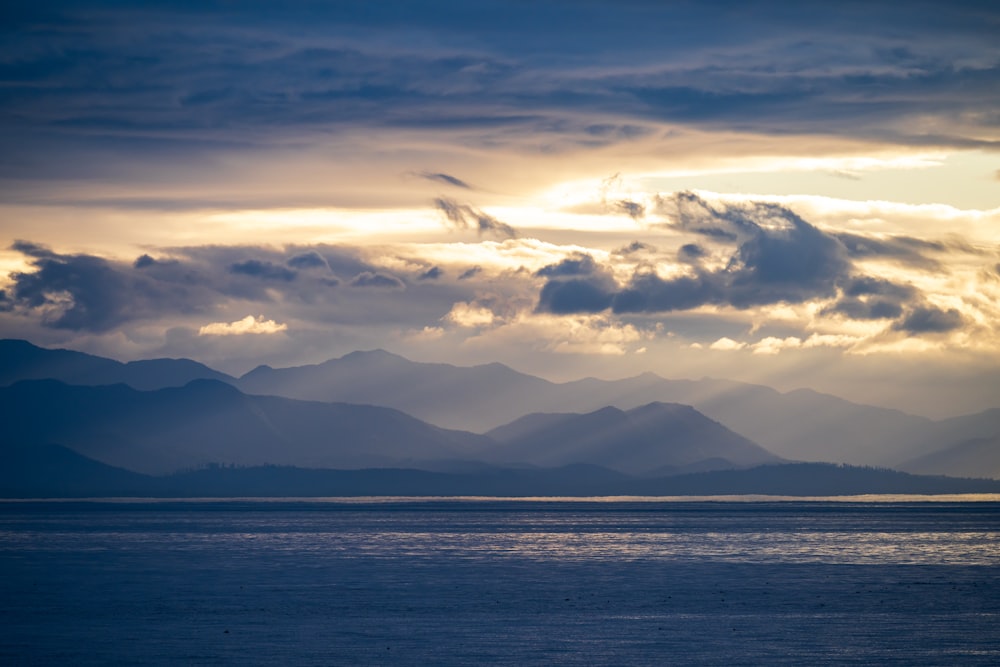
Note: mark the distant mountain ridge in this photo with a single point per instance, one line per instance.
(652, 439)
(52, 471)
(207, 421)
(20, 360)
(798, 425)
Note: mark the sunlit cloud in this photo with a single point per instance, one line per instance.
(248, 325)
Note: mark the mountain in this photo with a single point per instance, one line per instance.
(207, 421)
(798, 425)
(967, 446)
(653, 439)
(51, 471)
(20, 360)
(977, 457)
(450, 396)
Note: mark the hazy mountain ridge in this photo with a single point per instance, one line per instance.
(20, 360)
(53, 471)
(450, 396)
(640, 441)
(797, 425)
(208, 421)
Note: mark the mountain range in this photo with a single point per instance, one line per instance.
(371, 410)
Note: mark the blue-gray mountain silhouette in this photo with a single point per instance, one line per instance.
(52, 471)
(654, 439)
(797, 425)
(20, 360)
(207, 421)
(458, 397)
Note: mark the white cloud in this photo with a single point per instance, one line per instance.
(469, 315)
(726, 343)
(248, 325)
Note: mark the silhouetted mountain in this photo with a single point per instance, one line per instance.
(651, 438)
(20, 360)
(978, 457)
(799, 425)
(207, 421)
(810, 479)
(449, 396)
(52, 471)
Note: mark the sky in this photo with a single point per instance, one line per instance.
(800, 196)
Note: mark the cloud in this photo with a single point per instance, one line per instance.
(870, 298)
(376, 279)
(88, 293)
(691, 251)
(563, 297)
(903, 249)
(432, 273)
(778, 258)
(580, 264)
(632, 209)
(470, 273)
(470, 315)
(727, 344)
(377, 92)
(445, 178)
(634, 247)
(263, 270)
(463, 216)
(248, 325)
(307, 260)
(930, 319)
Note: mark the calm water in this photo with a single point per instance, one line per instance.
(508, 582)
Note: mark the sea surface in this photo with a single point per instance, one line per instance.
(516, 582)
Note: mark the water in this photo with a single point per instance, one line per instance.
(501, 582)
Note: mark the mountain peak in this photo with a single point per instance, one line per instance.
(371, 355)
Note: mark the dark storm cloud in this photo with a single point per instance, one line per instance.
(89, 293)
(307, 260)
(264, 270)
(867, 309)
(930, 319)
(690, 251)
(903, 249)
(470, 273)
(564, 297)
(634, 247)
(432, 273)
(376, 279)
(779, 257)
(580, 264)
(463, 216)
(871, 298)
(775, 257)
(446, 179)
(182, 81)
(632, 209)
(869, 285)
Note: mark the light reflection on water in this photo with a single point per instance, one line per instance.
(450, 582)
(763, 533)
